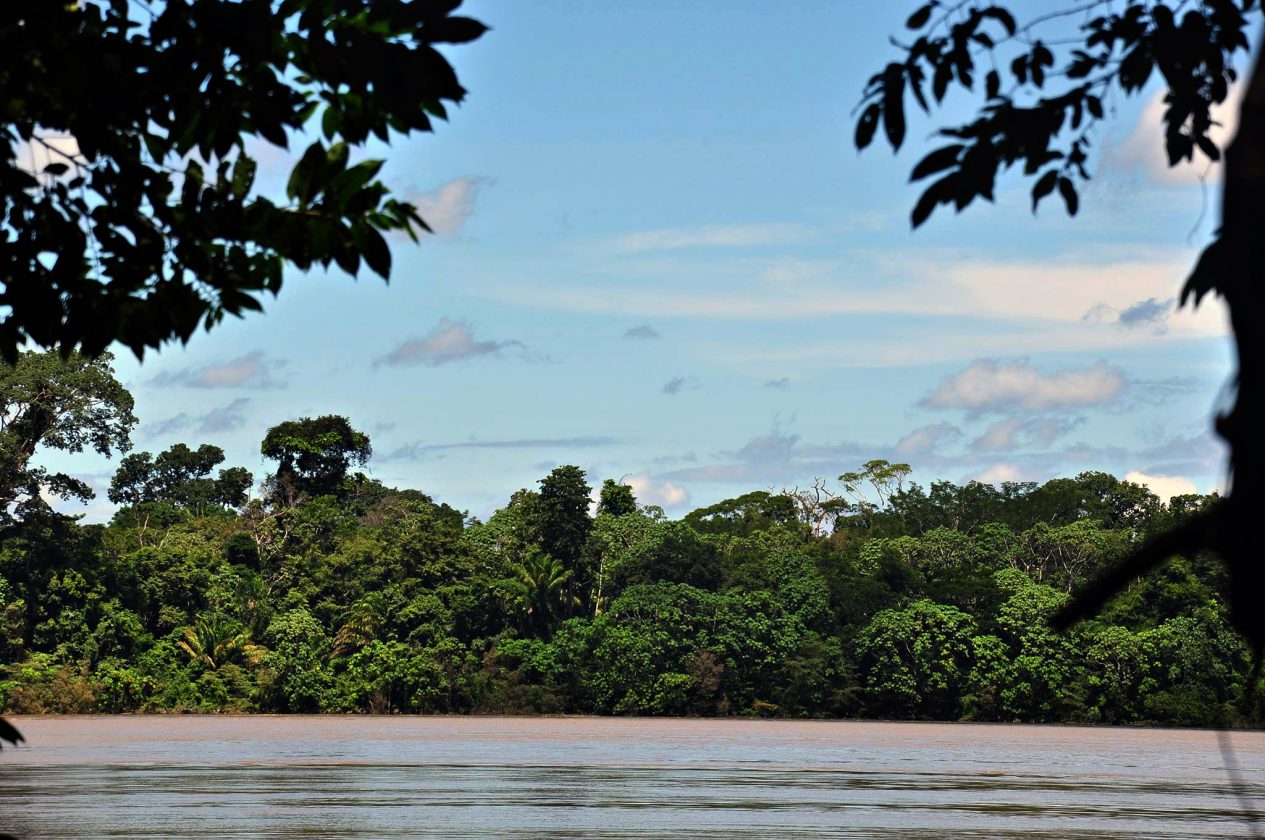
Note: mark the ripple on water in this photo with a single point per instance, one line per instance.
(340, 777)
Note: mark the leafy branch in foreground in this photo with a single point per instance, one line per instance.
(130, 140)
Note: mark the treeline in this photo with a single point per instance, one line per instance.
(326, 591)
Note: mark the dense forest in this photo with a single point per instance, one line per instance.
(315, 588)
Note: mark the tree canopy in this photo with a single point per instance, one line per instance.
(313, 456)
(142, 220)
(352, 596)
(67, 404)
(180, 476)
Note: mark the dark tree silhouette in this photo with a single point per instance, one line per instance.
(1043, 91)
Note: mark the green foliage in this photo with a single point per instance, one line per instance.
(563, 514)
(180, 477)
(68, 404)
(355, 597)
(150, 114)
(313, 456)
(616, 499)
(915, 661)
(743, 515)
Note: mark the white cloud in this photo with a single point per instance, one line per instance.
(1030, 307)
(447, 208)
(1013, 432)
(250, 371)
(1151, 312)
(663, 493)
(449, 341)
(998, 474)
(1164, 486)
(1000, 435)
(714, 236)
(926, 440)
(226, 418)
(777, 447)
(992, 385)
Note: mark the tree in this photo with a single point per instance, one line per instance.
(616, 499)
(564, 514)
(884, 478)
(313, 456)
(744, 514)
(1046, 130)
(916, 660)
(215, 640)
(181, 477)
(672, 552)
(539, 592)
(68, 404)
(130, 145)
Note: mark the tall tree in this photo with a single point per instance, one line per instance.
(131, 132)
(313, 455)
(1044, 88)
(69, 404)
(564, 515)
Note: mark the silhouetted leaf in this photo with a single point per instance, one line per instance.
(941, 159)
(941, 192)
(866, 125)
(894, 107)
(919, 18)
(56, 169)
(1002, 16)
(1043, 187)
(455, 30)
(1068, 190)
(1213, 264)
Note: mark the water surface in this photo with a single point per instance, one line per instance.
(385, 777)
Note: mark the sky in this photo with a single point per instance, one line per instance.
(658, 256)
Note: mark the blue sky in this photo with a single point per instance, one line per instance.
(659, 257)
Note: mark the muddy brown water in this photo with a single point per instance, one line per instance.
(388, 777)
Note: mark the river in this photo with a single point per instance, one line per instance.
(384, 777)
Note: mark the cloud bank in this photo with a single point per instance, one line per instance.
(996, 386)
(253, 370)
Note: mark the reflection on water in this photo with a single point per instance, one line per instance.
(363, 777)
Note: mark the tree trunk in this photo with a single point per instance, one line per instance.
(1239, 281)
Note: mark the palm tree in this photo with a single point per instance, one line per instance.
(215, 640)
(363, 622)
(538, 592)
